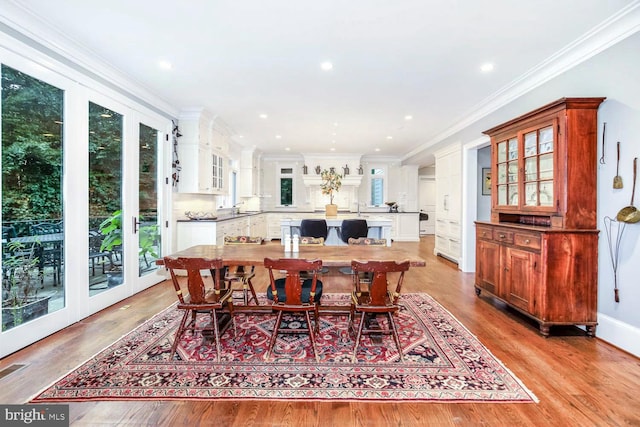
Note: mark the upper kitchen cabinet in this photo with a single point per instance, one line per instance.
(543, 166)
(203, 151)
(249, 183)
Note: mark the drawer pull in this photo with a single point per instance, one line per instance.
(502, 236)
(484, 234)
(527, 241)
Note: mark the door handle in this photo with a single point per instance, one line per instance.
(134, 223)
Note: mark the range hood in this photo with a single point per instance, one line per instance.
(348, 165)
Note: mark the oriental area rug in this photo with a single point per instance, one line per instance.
(443, 362)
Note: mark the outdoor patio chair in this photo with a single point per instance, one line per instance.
(50, 253)
(95, 254)
(372, 299)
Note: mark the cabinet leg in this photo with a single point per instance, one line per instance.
(544, 330)
(478, 291)
(591, 331)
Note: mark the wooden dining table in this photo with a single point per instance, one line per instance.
(331, 256)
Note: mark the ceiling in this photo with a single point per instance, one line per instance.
(391, 59)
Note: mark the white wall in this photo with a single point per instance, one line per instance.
(612, 73)
(483, 208)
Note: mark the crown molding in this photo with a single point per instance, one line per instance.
(609, 32)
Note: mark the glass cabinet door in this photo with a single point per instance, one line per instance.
(508, 178)
(538, 167)
(525, 169)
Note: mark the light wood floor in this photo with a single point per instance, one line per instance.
(579, 381)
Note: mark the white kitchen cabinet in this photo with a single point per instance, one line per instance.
(273, 225)
(405, 226)
(448, 230)
(249, 182)
(191, 233)
(201, 151)
(258, 225)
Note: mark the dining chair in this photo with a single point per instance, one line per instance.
(196, 298)
(294, 294)
(311, 241)
(374, 298)
(366, 241)
(242, 274)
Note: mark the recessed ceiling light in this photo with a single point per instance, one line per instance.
(165, 65)
(287, 149)
(485, 68)
(389, 137)
(377, 149)
(263, 116)
(408, 117)
(278, 136)
(332, 149)
(335, 124)
(327, 65)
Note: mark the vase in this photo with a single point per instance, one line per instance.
(331, 210)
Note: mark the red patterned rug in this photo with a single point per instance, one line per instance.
(443, 362)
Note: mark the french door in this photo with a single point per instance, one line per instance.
(84, 207)
(125, 195)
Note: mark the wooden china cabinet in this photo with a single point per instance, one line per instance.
(539, 252)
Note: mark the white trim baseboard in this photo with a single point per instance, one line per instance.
(619, 334)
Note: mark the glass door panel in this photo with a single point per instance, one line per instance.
(546, 166)
(502, 152)
(149, 242)
(105, 234)
(546, 193)
(33, 282)
(530, 144)
(513, 195)
(546, 140)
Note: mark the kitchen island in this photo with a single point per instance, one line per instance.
(379, 228)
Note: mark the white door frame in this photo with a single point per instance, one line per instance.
(470, 187)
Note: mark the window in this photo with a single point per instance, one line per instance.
(286, 186)
(376, 183)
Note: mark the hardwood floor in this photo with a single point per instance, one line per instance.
(580, 381)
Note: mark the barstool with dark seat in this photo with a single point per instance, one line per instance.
(352, 229)
(314, 228)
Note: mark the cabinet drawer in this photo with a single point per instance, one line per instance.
(454, 228)
(441, 227)
(500, 235)
(485, 233)
(531, 241)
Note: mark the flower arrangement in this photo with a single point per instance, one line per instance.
(331, 183)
